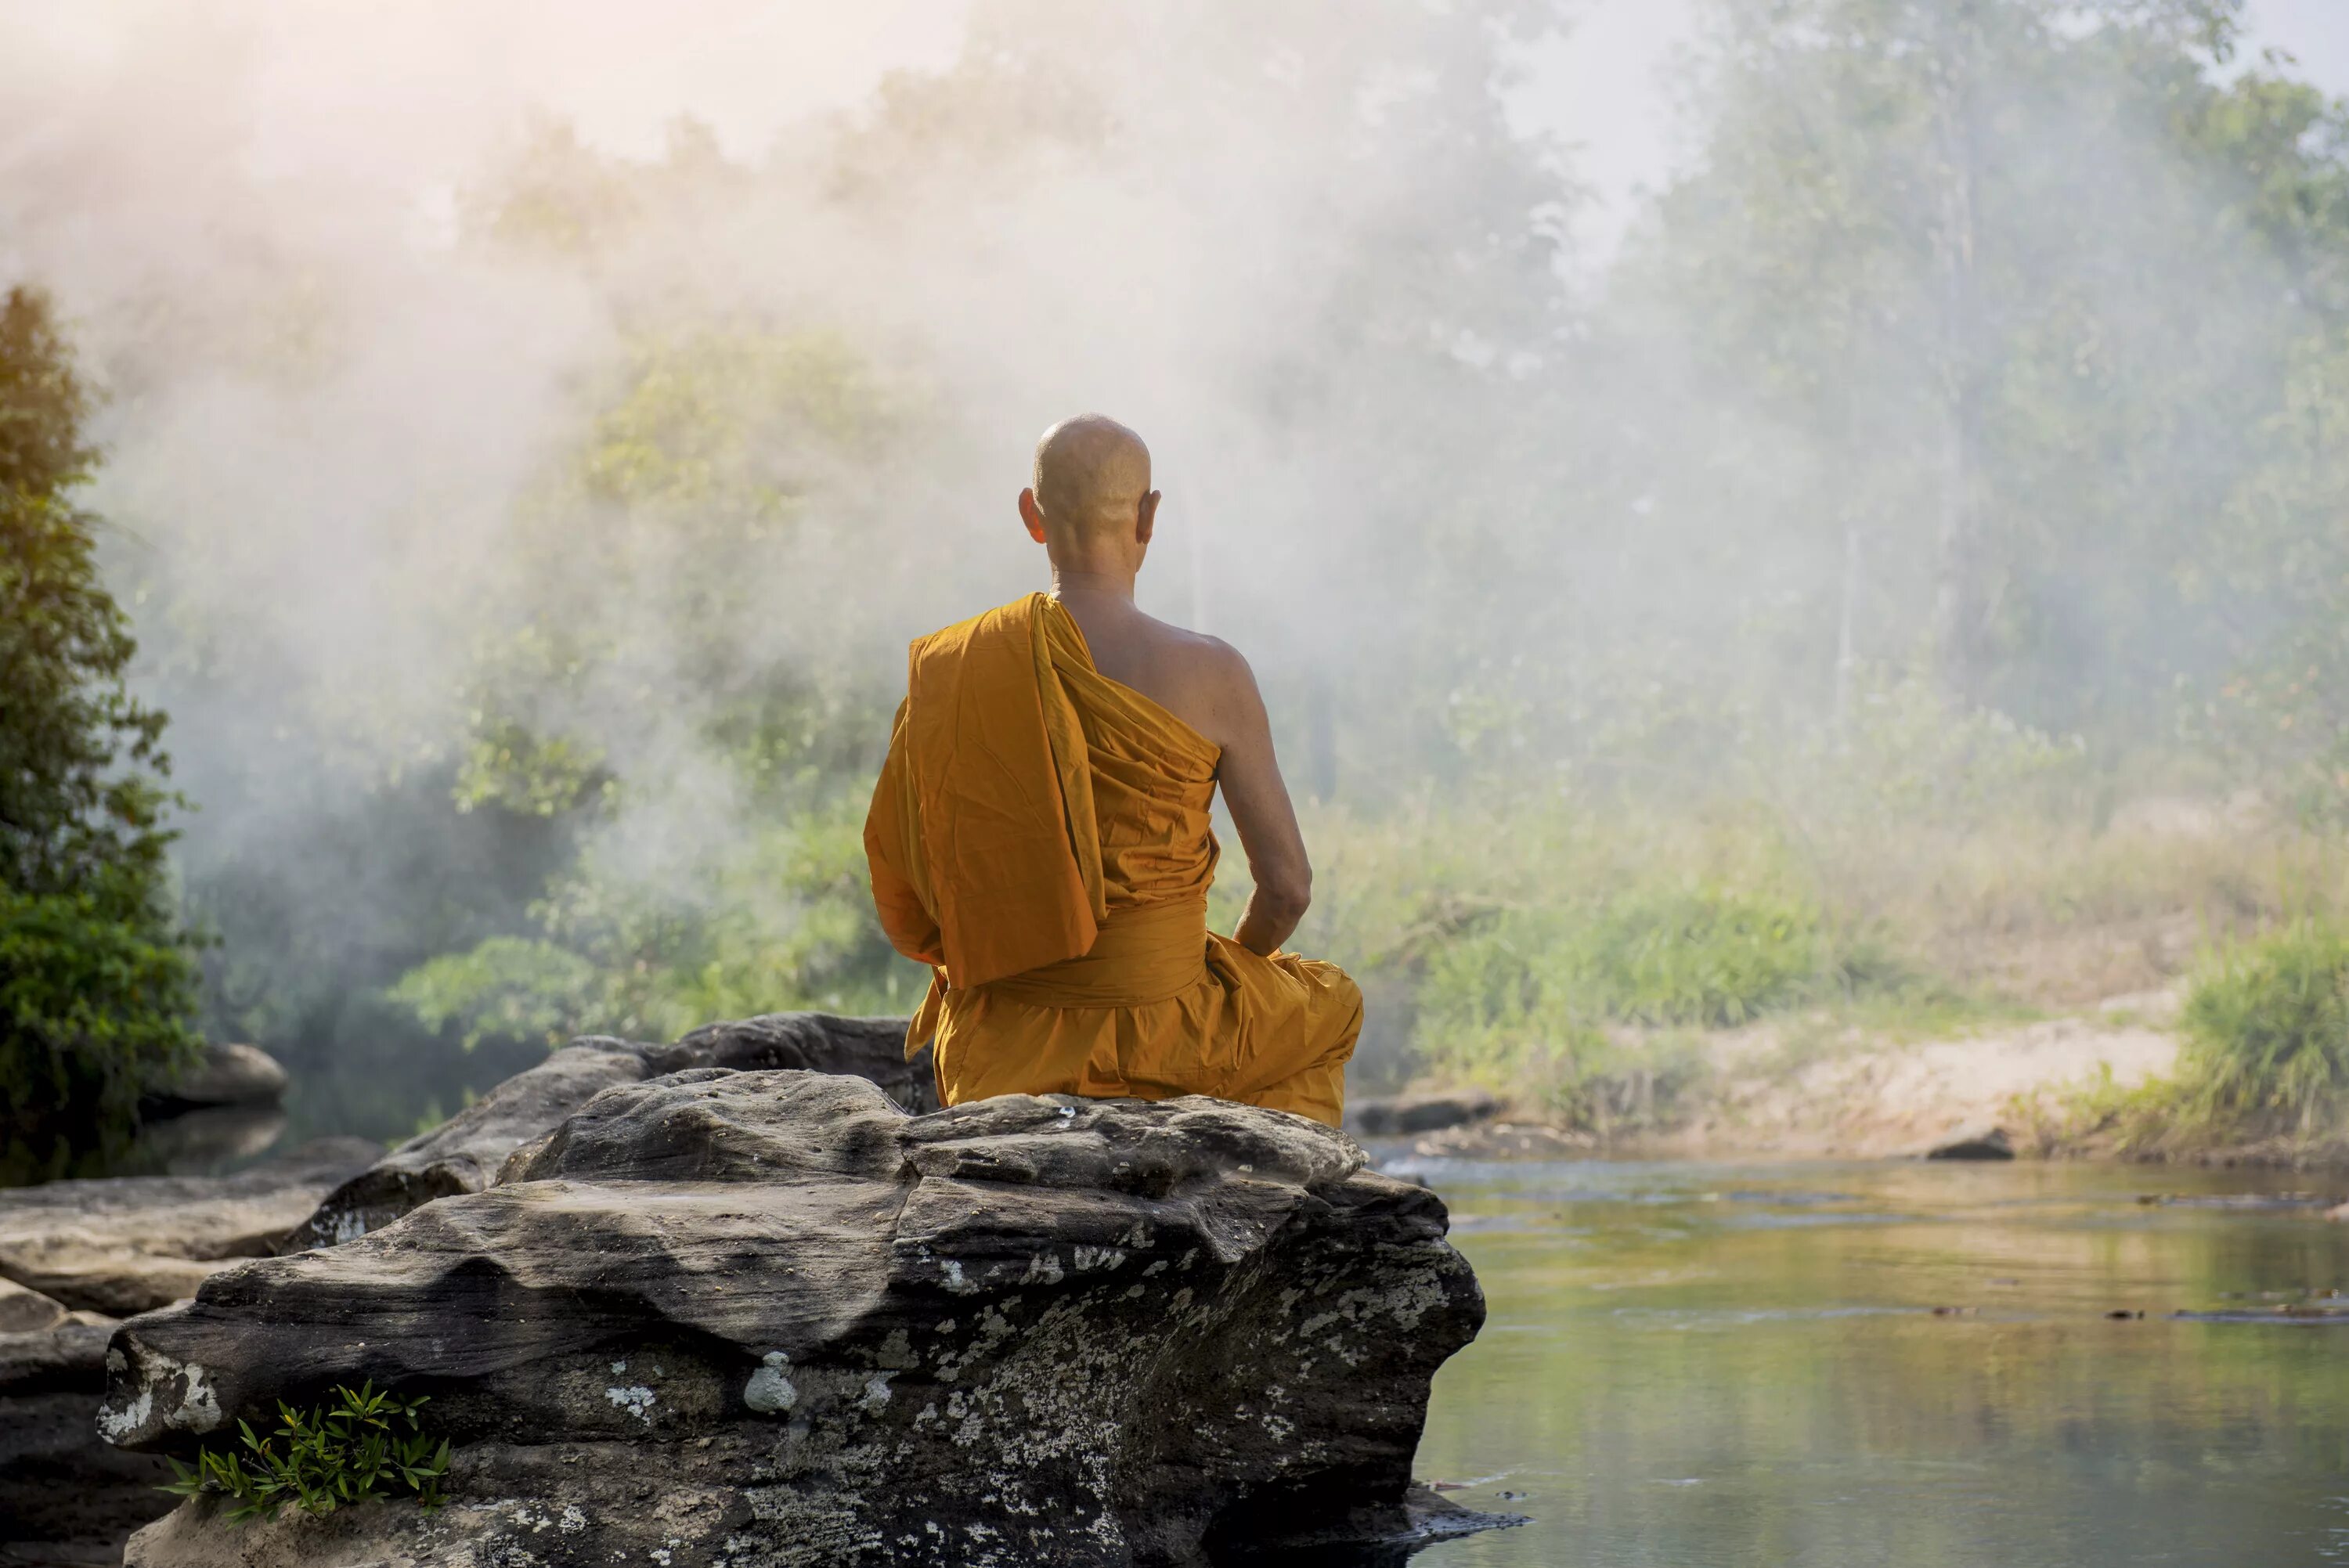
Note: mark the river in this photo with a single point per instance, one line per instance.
(1895, 1366)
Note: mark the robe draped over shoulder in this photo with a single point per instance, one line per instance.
(1040, 836)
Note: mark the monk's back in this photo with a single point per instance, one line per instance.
(1183, 672)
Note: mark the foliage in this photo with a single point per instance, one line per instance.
(1918, 236)
(645, 556)
(94, 998)
(1702, 955)
(507, 986)
(2267, 1032)
(782, 920)
(2284, 580)
(1539, 999)
(701, 461)
(362, 1444)
(97, 985)
(2263, 1065)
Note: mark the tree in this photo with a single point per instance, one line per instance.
(96, 982)
(2007, 272)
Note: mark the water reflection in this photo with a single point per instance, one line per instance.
(1854, 1365)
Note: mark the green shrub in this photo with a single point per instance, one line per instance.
(1538, 999)
(2267, 1032)
(94, 1003)
(783, 920)
(365, 1444)
(1704, 956)
(507, 988)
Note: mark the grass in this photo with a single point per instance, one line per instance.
(2263, 1065)
(2267, 1032)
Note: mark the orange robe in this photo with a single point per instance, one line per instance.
(1039, 838)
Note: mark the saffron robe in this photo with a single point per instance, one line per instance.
(1039, 837)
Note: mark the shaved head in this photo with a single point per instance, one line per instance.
(1092, 473)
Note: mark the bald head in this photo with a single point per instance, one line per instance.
(1092, 475)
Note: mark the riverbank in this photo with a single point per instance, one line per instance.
(1814, 1087)
(1780, 1088)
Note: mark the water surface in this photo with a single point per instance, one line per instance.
(1700, 1365)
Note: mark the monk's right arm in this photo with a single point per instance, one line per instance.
(1249, 775)
(893, 855)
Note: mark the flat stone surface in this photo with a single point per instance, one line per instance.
(66, 1357)
(769, 1318)
(129, 1244)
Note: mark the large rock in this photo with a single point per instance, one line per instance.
(769, 1318)
(1979, 1141)
(1425, 1112)
(211, 1137)
(66, 1356)
(66, 1496)
(222, 1074)
(463, 1154)
(133, 1244)
(873, 1049)
(26, 1311)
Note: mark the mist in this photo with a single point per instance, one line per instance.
(535, 429)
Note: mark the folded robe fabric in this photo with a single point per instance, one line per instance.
(1039, 837)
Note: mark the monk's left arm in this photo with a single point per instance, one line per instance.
(1249, 774)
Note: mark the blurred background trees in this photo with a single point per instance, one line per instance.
(97, 985)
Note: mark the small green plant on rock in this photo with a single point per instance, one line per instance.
(361, 1444)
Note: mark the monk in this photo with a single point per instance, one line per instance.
(1040, 835)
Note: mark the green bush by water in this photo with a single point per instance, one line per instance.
(1593, 1005)
(2267, 1032)
(1705, 957)
(363, 1444)
(95, 995)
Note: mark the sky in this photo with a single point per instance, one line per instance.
(750, 67)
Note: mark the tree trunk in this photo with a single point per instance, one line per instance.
(1847, 649)
(1961, 599)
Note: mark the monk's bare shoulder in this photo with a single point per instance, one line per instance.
(1216, 690)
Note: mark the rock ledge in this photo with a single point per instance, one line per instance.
(769, 1318)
